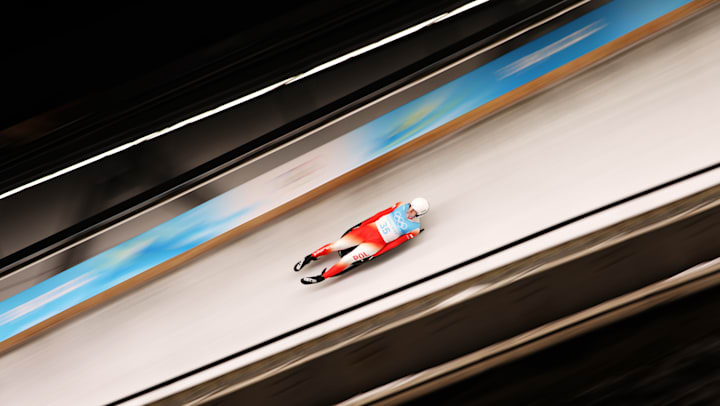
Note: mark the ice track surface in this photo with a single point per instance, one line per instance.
(639, 120)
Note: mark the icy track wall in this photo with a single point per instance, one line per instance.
(462, 101)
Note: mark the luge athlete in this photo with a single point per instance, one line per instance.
(371, 238)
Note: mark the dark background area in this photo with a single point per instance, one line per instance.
(668, 355)
(55, 55)
(80, 81)
(68, 64)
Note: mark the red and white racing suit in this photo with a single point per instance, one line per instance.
(375, 236)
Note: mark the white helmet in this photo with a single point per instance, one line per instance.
(420, 205)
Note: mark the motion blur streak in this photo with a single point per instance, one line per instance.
(253, 95)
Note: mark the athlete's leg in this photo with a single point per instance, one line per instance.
(362, 251)
(360, 235)
(367, 233)
(349, 240)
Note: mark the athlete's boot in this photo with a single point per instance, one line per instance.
(304, 262)
(309, 280)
